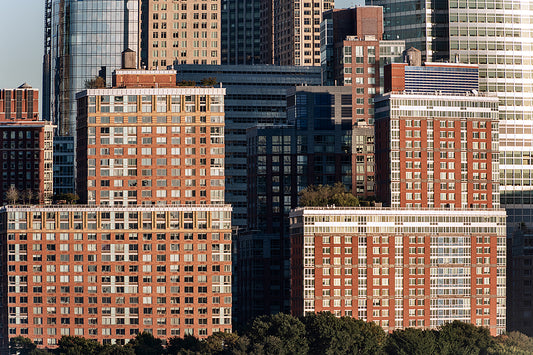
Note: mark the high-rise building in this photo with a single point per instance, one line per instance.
(240, 32)
(432, 77)
(26, 159)
(138, 145)
(519, 282)
(109, 273)
(255, 94)
(187, 32)
(282, 160)
(83, 39)
(19, 104)
(25, 148)
(291, 31)
(64, 165)
(354, 54)
(437, 150)
(495, 35)
(400, 268)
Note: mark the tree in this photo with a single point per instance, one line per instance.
(277, 334)
(187, 83)
(73, 345)
(187, 344)
(209, 81)
(324, 195)
(95, 83)
(220, 343)
(12, 195)
(463, 338)
(21, 345)
(116, 349)
(365, 338)
(146, 344)
(411, 341)
(27, 196)
(514, 343)
(68, 198)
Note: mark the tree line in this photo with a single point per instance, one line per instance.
(314, 334)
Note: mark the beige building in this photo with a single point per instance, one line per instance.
(296, 34)
(187, 31)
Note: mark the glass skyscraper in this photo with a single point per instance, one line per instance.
(496, 35)
(83, 39)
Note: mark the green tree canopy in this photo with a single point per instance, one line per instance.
(21, 345)
(70, 345)
(463, 338)
(329, 335)
(146, 344)
(278, 334)
(411, 341)
(324, 195)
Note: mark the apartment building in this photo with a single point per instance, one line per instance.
(138, 145)
(21, 103)
(291, 32)
(109, 273)
(186, 31)
(437, 150)
(354, 54)
(26, 159)
(400, 268)
(255, 95)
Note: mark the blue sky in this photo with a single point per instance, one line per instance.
(21, 36)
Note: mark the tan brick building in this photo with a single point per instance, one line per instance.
(292, 31)
(186, 31)
(108, 273)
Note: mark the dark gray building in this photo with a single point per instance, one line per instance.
(314, 149)
(255, 94)
(63, 165)
(240, 32)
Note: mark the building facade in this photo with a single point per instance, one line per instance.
(64, 176)
(295, 35)
(255, 94)
(19, 104)
(109, 273)
(496, 36)
(282, 160)
(260, 280)
(83, 39)
(520, 281)
(240, 32)
(150, 145)
(354, 54)
(400, 268)
(26, 159)
(437, 150)
(432, 77)
(187, 32)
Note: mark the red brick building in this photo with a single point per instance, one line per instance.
(26, 148)
(150, 142)
(19, 104)
(109, 273)
(26, 161)
(437, 150)
(354, 54)
(400, 268)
